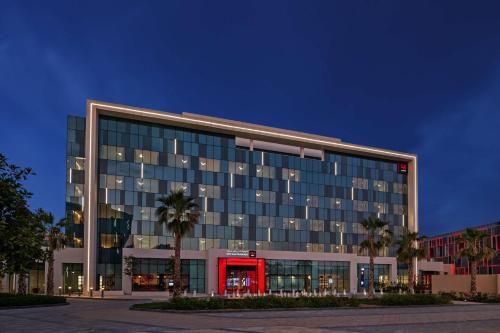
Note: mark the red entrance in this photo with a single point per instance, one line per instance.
(241, 275)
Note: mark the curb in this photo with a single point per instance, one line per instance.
(291, 309)
(32, 306)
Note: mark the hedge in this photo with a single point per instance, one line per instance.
(274, 302)
(10, 300)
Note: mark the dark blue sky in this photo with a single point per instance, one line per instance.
(415, 76)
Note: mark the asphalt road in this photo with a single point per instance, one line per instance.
(114, 316)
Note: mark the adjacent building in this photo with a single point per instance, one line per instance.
(280, 209)
(443, 248)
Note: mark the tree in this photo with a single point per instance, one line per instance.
(55, 240)
(407, 252)
(20, 231)
(180, 214)
(475, 249)
(378, 238)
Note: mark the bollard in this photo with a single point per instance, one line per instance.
(69, 290)
(60, 290)
(91, 292)
(194, 293)
(102, 292)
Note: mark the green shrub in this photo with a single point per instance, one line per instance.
(8, 300)
(479, 297)
(267, 302)
(408, 299)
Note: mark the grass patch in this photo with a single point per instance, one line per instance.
(10, 300)
(274, 302)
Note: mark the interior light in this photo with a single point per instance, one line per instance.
(202, 189)
(184, 161)
(203, 163)
(258, 194)
(240, 167)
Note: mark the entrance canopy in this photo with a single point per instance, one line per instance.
(241, 275)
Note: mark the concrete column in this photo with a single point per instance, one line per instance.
(90, 227)
(353, 275)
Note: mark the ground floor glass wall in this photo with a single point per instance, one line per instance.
(151, 274)
(382, 276)
(72, 278)
(307, 275)
(36, 281)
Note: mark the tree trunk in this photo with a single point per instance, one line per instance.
(473, 278)
(371, 277)
(177, 266)
(21, 284)
(50, 274)
(411, 276)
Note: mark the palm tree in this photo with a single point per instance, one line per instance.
(378, 238)
(180, 214)
(407, 252)
(475, 250)
(55, 240)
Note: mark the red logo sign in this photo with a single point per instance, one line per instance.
(402, 168)
(252, 253)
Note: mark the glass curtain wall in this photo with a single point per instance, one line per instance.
(249, 200)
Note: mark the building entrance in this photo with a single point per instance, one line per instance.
(241, 275)
(241, 279)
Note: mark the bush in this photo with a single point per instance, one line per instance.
(408, 299)
(8, 300)
(266, 302)
(479, 297)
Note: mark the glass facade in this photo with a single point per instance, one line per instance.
(75, 180)
(157, 275)
(444, 248)
(382, 276)
(72, 278)
(36, 278)
(307, 275)
(249, 199)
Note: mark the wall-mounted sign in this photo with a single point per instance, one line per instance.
(402, 168)
(237, 253)
(241, 253)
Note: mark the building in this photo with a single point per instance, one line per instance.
(443, 248)
(280, 209)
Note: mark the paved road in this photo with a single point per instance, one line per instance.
(114, 316)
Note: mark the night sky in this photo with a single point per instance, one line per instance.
(415, 76)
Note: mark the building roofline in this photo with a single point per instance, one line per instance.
(248, 130)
